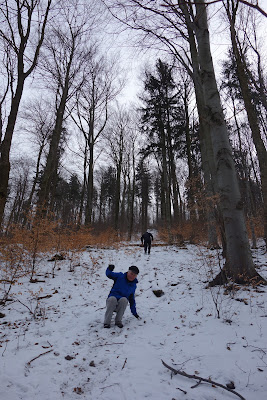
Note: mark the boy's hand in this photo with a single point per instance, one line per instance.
(111, 267)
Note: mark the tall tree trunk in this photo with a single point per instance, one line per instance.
(165, 180)
(80, 215)
(22, 76)
(90, 184)
(239, 264)
(207, 156)
(172, 169)
(245, 178)
(252, 116)
(6, 143)
(49, 178)
(28, 203)
(50, 172)
(131, 199)
(123, 204)
(118, 185)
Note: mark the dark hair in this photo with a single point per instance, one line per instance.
(134, 269)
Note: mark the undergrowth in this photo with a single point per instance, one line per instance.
(22, 249)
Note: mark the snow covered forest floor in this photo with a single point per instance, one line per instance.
(53, 345)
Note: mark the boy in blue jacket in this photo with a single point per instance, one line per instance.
(122, 292)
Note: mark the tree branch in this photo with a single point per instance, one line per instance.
(35, 358)
(199, 379)
(245, 2)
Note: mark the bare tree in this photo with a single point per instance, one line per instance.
(19, 188)
(166, 23)
(190, 21)
(64, 61)
(22, 31)
(115, 135)
(90, 115)
(247, 81)
(38, 125)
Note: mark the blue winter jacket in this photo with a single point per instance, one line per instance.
(123, 288)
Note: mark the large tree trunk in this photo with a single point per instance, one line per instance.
(49, 178)
(252, 117)
(207, 156)
(50, 172)
(239, 264)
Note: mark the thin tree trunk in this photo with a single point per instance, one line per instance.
(165, 181)
(80, 215)
(131, 200)
(90, 185)
(6, 144)
(22, 76)
(172, 169)
(118, 186)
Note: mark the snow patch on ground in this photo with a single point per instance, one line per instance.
(66, 353)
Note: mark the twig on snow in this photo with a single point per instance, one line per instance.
(25, 306)
(106, 344)
(29, 362)
(175, 371)
(196, 385)
(124, 363)
(101, 308)
(182, 390)
(5, 348)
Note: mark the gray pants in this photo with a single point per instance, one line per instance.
(114, 305)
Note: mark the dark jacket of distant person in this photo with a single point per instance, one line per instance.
(146, 237)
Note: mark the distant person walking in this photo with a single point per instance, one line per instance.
(146, 239)
(122, 292)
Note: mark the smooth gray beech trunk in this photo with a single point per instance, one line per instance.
(207, 157)
(239, 264)
(251, 111)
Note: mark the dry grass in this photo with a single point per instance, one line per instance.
(47, 236)
(258, 226)
(190, 232)
(22, 249)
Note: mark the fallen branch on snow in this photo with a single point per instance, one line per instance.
(175, 371)
(29, 362)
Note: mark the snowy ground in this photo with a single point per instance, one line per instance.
(65, 353)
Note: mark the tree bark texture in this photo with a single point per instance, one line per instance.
(207, 156)
(239, 263)
(252, 116)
